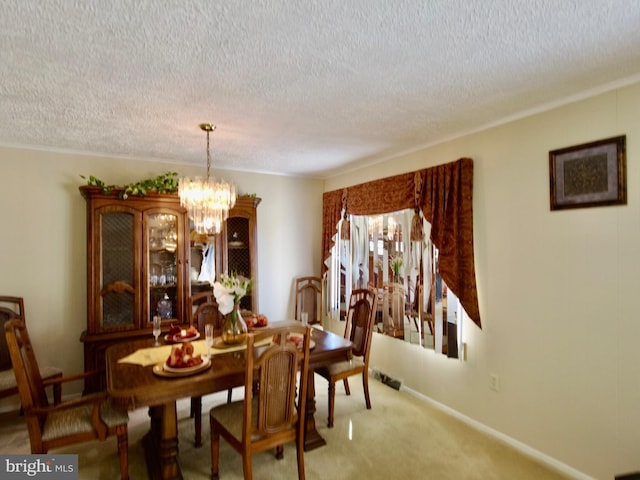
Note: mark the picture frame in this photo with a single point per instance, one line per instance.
(589, 175)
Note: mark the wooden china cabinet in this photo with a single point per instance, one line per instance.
(240, 247)
(143, 261)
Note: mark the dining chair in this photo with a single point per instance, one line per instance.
(393, 309)
(417, 313)
(269, 415)
(358, 329)
(203, 308)
(13, 308)
(425, 316)
(82, 419)
(309, 299)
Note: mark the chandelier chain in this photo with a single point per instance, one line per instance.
(208, 156)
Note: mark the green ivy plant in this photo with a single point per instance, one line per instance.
(165, 183)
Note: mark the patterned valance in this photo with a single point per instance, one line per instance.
(445, 198)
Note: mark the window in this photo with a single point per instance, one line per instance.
(414, 303)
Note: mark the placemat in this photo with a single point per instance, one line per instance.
(154, 355)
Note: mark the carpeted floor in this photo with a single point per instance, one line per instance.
(400, 437)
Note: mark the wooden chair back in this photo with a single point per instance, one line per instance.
(393, 309)
(277, 378)
(203, 308)
(309, 299)
(10, 308)
(424, 316)
(30, 385)
(359, 322)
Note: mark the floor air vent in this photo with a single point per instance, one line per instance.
(386, 379)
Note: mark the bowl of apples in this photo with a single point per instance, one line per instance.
(183, 359)
(254, 321)
(179, 335)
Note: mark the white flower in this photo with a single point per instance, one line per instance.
(229, 290)
(396, 263)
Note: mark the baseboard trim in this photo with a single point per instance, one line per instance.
(521, 447)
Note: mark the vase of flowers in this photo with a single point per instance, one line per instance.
(396, 266)
(229, 290)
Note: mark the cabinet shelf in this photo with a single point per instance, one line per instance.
(162, 250)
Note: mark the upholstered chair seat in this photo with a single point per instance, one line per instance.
(345, 366)
(78, 420)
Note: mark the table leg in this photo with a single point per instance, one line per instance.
(161, 443)
(312, 438)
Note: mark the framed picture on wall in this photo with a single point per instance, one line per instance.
(589, 175)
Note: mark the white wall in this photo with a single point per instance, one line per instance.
(43, 246)
(558, 294)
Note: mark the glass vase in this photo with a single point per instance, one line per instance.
(234, 330)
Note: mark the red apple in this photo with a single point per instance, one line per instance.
(262, 320)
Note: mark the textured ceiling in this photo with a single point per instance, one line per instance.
(300, 87)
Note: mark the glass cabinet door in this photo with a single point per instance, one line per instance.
(117, 273)
(203, 259)
(162, 279)
(239, 253)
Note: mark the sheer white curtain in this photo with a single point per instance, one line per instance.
(332, 282)
(338, 264)
(208, 267)
(359, 251)
(427, 264)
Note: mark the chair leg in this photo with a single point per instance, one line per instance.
(332, 400)
(365, 387)
(346, 386)
(300, 454)
(215, 450)
(280, 452)
(196, 411)
(246, 466)
(123, 451)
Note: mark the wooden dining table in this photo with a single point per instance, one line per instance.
(133, 386)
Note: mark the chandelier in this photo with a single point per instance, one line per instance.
(207, 201)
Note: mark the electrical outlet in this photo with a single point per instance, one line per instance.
(494, 382)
